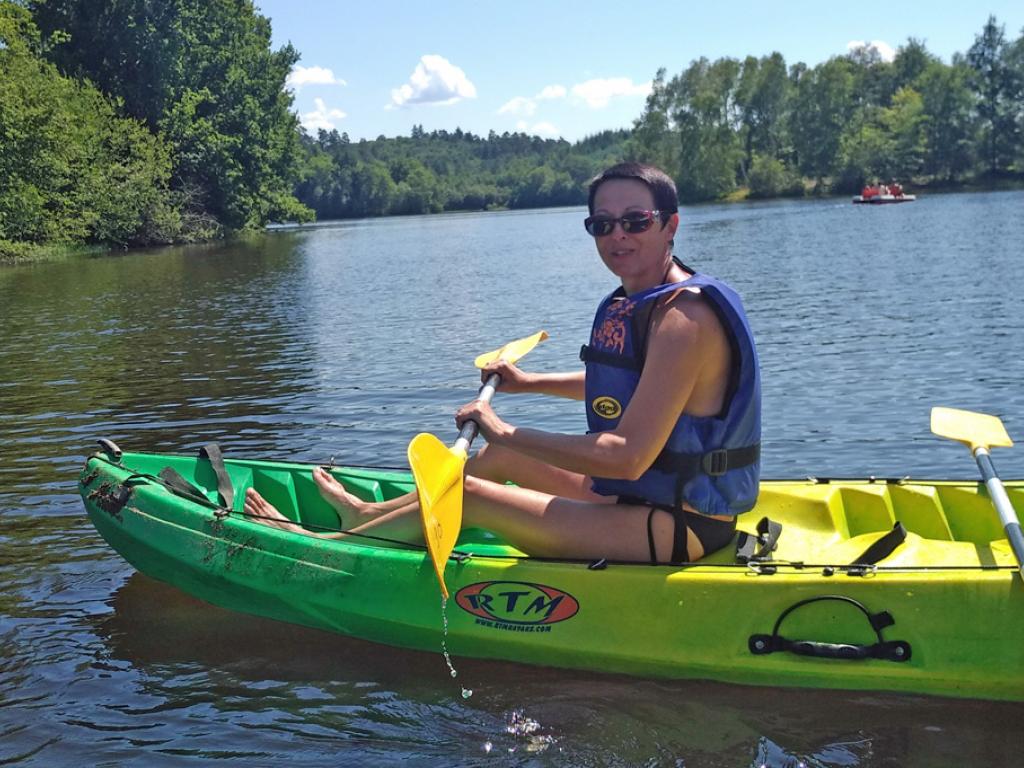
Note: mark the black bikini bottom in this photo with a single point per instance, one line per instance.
(711, 533)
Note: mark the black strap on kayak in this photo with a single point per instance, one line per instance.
(878, 551)
(758, 547)
(211, 452)
(887, 650)
(173, 480)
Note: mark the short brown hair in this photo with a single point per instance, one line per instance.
(660, 183)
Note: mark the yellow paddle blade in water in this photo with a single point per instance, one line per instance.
(977, 430)
(437, 470)
(512, 351)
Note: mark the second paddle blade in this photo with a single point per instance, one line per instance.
(437, 470)
(974, 429)
(512, 351)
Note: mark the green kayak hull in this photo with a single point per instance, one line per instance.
(940, 612)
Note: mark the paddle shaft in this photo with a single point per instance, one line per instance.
(997, 493)
(470, 429)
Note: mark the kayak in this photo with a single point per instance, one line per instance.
(883, 199)
(872, 584)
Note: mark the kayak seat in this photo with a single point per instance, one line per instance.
(970, 514)
(866, 509)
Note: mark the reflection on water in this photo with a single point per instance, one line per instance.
(346, 340)
(284, 681)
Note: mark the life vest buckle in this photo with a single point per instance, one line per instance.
(715, 463)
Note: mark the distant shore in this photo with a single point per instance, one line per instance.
(28, 253)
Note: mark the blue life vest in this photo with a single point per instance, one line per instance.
(710, 462)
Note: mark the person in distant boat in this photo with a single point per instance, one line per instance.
(672, 391)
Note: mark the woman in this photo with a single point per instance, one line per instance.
(672, 391)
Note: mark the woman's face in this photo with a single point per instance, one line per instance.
(640, 257)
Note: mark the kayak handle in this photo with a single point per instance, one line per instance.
(110, 448)
(831, 650)
(889, 650)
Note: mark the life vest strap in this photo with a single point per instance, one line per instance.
(590, 355)
(714, 463)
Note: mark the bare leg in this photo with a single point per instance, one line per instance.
(552, 513)
(554, 526)
(535, 522)
(502, 465)
(549, 526)
(499, 465)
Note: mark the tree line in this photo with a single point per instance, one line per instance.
(853, 119)
(448, 171)
(129, 123)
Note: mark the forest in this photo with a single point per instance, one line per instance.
(131, 123)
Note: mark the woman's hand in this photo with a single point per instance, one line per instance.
(513, 379)
(491, 427)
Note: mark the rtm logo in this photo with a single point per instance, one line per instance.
(517, 602)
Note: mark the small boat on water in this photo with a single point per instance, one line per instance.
(872, 584)
(883, 194)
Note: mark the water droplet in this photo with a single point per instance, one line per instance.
(466, 693)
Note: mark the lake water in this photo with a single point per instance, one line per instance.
(344, 340)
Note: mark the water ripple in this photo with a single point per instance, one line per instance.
(343, 341)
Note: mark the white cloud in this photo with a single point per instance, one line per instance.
(599, 92)
(542, 129)
(520, 105)
(301, 76)
(321, 117)
(523, 105)
(886, 51)
(434, 81)
(552, 92)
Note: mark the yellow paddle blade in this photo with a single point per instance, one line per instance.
(512, 351)
(977, 430)
(437, 470)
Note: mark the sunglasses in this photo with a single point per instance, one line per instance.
(632, 223)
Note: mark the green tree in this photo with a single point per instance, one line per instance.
(911, 62)
(864, 151)
(770, 177)
(202, 74)
(71, 170)
(704, 110)
(654, 138)
(905, 122)
(998, 94)
(763, 95)
(948, 106)
(1014, 60)
(822, 111)
(417, 191)
(373, 190)
(874, 79)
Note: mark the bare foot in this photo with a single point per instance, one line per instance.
(262, 511)
(349, 507)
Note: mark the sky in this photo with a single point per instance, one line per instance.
(565, 68)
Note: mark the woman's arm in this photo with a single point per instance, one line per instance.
(686, 341)
(516, 380)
